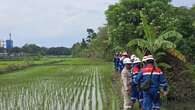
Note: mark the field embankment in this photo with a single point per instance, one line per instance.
(23, 63)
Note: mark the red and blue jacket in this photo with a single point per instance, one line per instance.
(158, 78)
(134, 71)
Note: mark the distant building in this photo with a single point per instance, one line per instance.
(9, 43)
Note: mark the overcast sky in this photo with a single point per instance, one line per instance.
(54, 22)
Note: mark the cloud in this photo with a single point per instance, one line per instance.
(51, 22)
(44, 21)
(187, 3)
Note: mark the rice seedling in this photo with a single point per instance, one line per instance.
(58, 87)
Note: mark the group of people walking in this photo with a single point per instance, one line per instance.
(142, 81)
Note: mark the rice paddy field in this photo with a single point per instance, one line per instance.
(74, 84)
(68, 84)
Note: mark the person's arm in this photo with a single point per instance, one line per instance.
(137, 79)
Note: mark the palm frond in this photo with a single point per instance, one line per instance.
(167, 44)
(139, 53)
(176, 54)
(164, 65)
(160, 54)
(164, 44)
(137, 42)
(171, 34)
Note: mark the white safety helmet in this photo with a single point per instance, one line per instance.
(137, 60)
(133, 57)
(146, 58)
(127, 61)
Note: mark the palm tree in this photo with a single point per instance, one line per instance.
(153, 43)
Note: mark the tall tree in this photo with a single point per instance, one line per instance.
(83, 44)
(91, 35)
(124, 19)
(32, 49)
(153, 43)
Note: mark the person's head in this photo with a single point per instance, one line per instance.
(137, 62)
(148, 60)
(132, 57)
(127, 62)
(125, 54)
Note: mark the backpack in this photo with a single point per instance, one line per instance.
(145, 86)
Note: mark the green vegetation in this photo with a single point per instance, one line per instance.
(19, 64)
(32, 50)
(69, 85)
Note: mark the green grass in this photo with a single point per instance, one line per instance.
(20, 64)
(83, 61)
(7, 63)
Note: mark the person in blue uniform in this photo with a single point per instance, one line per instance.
(151, 90)
(115, 61)
(123, 56)
(136, 95)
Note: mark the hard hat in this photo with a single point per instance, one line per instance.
(144, 59)
(133, 57)
(137, 60)
(127, 61)
(124, 54)
(149, 57)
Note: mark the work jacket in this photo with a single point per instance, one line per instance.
(134, 71)
(158, 79)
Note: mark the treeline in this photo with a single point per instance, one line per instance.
(124, 25)
(95, 45)
(137, 26)
(34, 50)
